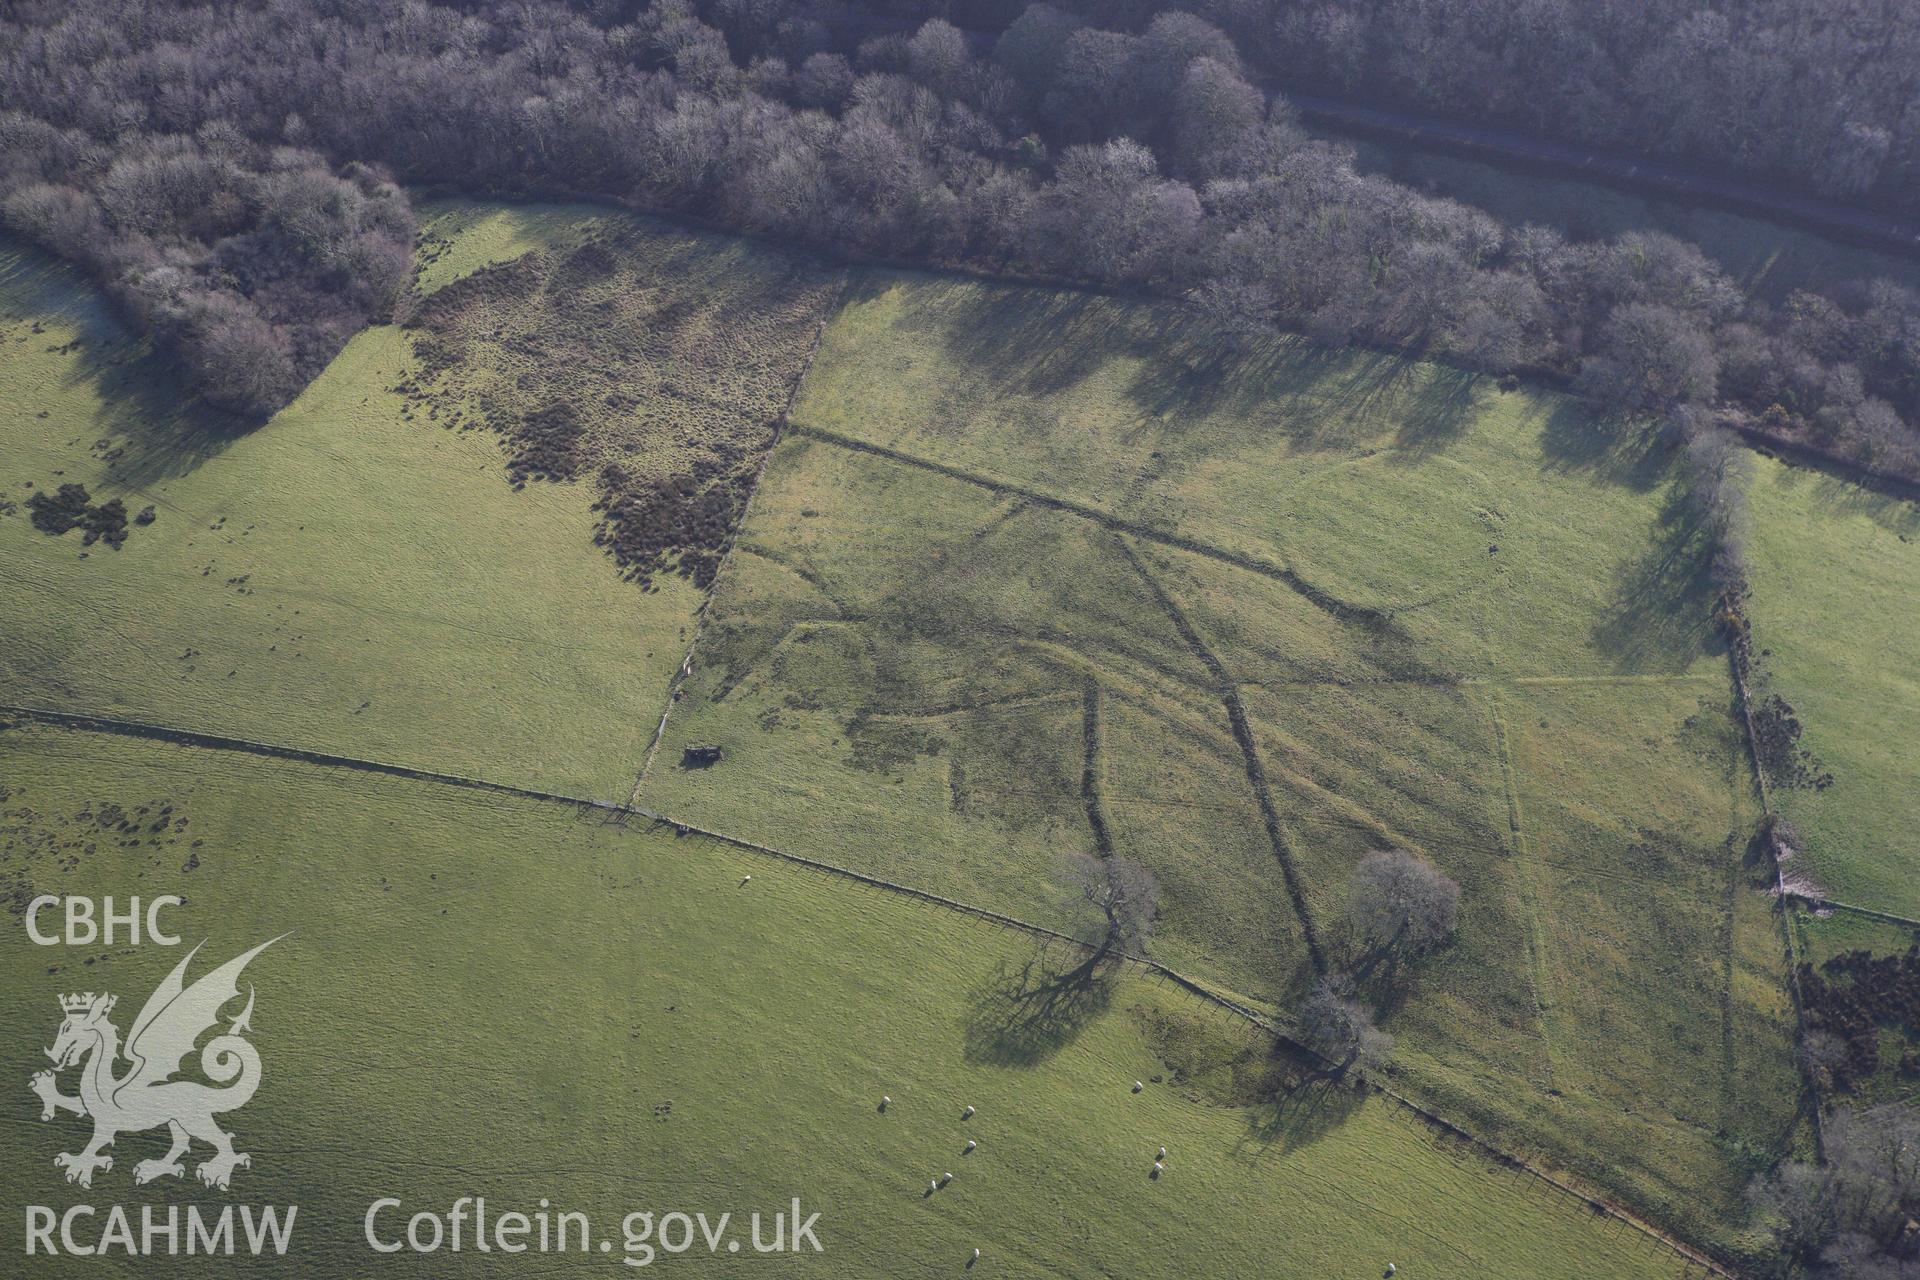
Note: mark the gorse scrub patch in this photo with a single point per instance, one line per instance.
(652, 367)
(1776, 741)
(345, 576)
(72, 507)
(152, 835)
(1851, 1000)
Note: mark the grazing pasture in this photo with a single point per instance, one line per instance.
(1835, 569)
(1028, 574)
(358, 574)
(489, 995)
(1038, 573)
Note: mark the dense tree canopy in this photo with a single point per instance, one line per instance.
(1823, 94)
(1853, 1216)
(222, 168)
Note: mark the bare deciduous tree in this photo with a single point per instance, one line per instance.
(1651, 358)
(1397, 901)
(1336, 1025)
(1847, 1219)
(231, 212)
(1116, 900)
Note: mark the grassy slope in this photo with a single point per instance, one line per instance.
(459, 236)
(490, 995)
(347, 577)
(875, 589)
(1382, 481)
(927, 716)
(1835, 570)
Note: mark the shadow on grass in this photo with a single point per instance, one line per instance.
(1030, 1010)
(1656, 618)
(159, 430)
(1304, 1112)
(1835, 494)
(1578, 440)
(1044, 342)
(158, 426)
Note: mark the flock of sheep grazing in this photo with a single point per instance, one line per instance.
(935, 1184)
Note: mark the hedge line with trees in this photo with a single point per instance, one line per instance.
(221, 168)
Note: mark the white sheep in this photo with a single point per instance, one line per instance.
(976, 1255)
(744, 880)
(945, 1178)
(1137, 1086)
(1163, 1154)
(971, 1144)
(885, 1102)
(967, 1114)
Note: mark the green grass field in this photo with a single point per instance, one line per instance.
(1834, 573)
(353, 576)
(489, 995)
(1020, 549)
(1027, 567)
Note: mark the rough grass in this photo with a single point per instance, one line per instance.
(1029, 566)
(994, 500)
(1385, 484)
(484, 995)
(1835, 572)
(353, 576)
(1659, 966)
(458, 237)
(650, 366)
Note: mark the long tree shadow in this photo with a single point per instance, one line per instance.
(1308, 1109)
(1656, 618)
(149, 425)
(1029, 1010)
(1382, 975)
(1439, 410)
(1579, 439)
(154, 428)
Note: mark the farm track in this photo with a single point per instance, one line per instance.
(616, 811)
(1871, 913)
(1671, 180)
(1537, 977)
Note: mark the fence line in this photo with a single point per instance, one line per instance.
(1267, 1023)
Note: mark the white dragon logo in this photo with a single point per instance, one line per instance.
(147, 1096)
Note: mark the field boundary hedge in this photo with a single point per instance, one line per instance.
(1344, 611)
(248, 746)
